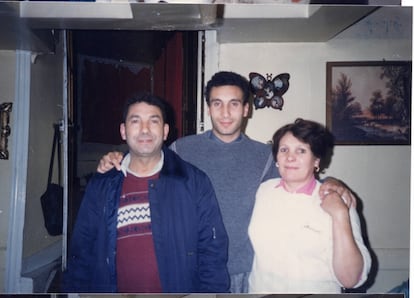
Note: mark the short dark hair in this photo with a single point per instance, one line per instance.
(146, 98)
(320, 139)
(228, 78)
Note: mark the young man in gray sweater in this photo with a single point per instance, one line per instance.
(235, 164)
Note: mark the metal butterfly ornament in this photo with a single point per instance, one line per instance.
(268, 92)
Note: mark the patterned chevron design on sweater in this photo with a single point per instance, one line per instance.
(133, 214)
(137, 270)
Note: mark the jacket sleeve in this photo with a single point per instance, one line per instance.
(77, 277)
(213, 241)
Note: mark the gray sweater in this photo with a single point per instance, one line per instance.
(236, 170)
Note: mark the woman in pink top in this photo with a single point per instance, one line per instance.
(304, 243)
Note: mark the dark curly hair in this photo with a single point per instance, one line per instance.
(228, 78)
(320, 139)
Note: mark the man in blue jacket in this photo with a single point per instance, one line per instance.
(155, 226)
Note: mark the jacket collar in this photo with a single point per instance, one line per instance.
(127, 159)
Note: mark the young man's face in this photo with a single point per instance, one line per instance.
(144, 130)
(227, 111)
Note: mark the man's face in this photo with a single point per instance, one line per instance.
(227, 111)
(144, 130)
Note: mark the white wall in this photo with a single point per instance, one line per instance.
(380, 175)
(46, 105)
(7, 77)
(45, 110)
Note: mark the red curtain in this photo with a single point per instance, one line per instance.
(168, 79)
(106, 85)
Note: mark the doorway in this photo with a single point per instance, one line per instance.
(105, 68)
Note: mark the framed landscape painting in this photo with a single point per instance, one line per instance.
(369, 102)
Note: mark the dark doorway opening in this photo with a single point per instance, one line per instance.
(106, 67)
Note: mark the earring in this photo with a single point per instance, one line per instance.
(277, 164)
(317, 169)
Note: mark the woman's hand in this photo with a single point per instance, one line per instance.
(333, 204)
(347, 258)
(333, 185)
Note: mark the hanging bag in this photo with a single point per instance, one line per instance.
(52, 199)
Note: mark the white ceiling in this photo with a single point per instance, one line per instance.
(30, 24)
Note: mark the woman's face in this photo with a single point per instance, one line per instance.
(295, 160)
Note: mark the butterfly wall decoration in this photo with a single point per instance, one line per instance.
(267, 92)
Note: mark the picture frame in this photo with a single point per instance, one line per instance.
(369, 102)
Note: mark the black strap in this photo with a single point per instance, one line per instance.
(56, 142)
